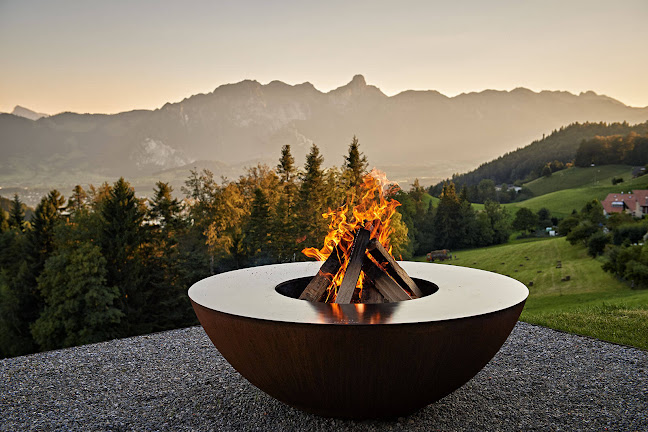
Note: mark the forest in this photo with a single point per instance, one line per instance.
(630, 149)
(104, 264)
(555, 150)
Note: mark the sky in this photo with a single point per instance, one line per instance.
(113, 56)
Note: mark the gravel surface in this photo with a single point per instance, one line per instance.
(540, 380)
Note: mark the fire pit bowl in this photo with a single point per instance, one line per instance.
(355, 360)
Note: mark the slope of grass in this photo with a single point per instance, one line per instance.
(591, 303)
(577, 177)
(561, 203)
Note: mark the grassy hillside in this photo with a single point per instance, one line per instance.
(577, 177)
(561, 203)
(591, 303)
(560, 145)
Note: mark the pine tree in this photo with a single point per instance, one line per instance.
(4, 222)
(16, 214)
(257, 231)
(284, 232)
(79, 305)
(447, 219)
(78, 200)
(166, 262)
(355, 165)
(41, 234)
(121, 238)
(164, 209)
(286, 168)
(311, 199)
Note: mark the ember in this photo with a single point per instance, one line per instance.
(358, 265)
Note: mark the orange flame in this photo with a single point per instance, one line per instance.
(373, 213)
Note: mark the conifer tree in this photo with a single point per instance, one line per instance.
(79, 305)
(16, 214)
(311, 199)
(121, 237)
(286, 167)
(447, 218)
(41, 234)
(283, 222)
(166, 262)
(257, 232)
(4, 223)
(284, 232)
(355, 165)
(164, 209)
(78, 200)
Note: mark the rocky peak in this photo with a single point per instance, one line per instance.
(27, 113)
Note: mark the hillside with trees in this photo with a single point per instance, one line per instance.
(630, 149)
(104, 264)
(554, 152)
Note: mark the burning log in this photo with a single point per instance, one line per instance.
(345, 292)
(361, 239)
(395, 271)
(370, 294)
(390, 290)
(318, 285)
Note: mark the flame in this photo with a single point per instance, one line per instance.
(372, 212)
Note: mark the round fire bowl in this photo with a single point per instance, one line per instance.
(358, 361)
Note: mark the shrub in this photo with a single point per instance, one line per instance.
(596, 243)
(633, 232)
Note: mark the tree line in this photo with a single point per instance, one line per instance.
(630, 149)
(529, 162)
(104, 263)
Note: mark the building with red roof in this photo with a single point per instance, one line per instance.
(634, 203)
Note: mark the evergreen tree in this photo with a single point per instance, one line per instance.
(78, 200)
(121, 238)
(257, 233)
(447, 220)
(166, 263)
(310, 201)
(15, 338)
(284, 232)
(41, 235)
(425, 231)
(79, 306)
(286, 168)
(284, 219)
(355, 165)
(164, 209)
(17, 214)
(4, 222)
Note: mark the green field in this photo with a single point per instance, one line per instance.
(591, 303)
(577, 177)
(562, 202)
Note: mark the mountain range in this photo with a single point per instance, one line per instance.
(247, 122)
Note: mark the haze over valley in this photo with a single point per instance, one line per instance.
(412, 134)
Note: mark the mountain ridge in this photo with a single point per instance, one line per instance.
(252, 121)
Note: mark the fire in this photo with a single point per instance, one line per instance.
(372, 212)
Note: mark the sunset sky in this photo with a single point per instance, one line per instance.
(112, 56)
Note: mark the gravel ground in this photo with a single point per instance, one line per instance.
(540, 380)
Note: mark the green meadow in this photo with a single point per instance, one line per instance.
(562, 202)
(591, 303)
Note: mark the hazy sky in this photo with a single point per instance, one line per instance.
(111, 56)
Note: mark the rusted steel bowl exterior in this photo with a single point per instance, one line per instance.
(357, 361)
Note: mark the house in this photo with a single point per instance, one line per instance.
(634, 203)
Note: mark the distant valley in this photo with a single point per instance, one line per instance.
(412, 134)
